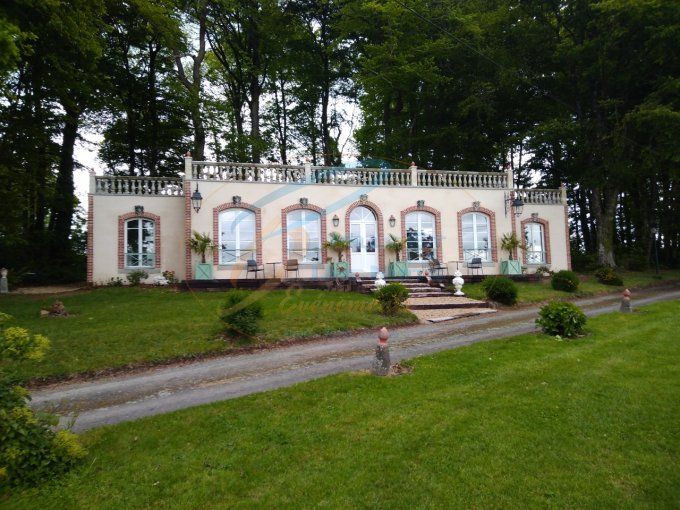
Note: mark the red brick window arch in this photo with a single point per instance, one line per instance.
(379, 220)
(237, 235)
(477, 234)
(536, 237)
(139, 241)
(421, 231)
(303, 233)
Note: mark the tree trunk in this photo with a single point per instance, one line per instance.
(604, 210)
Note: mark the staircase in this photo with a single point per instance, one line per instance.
(434, 304)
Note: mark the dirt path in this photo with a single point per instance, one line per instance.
(127, 397)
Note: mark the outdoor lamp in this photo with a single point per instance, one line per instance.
(393, 220)
(196, 199)
(518, 205)
(336, 220)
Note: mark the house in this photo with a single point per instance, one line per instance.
(272, 213)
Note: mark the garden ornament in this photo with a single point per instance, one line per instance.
(380, 280)
(458, 283)
(381, 363)
(626, 306)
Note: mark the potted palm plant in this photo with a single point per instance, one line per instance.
(200, 244)
(396, 245)
(339, 244)
(510, 242)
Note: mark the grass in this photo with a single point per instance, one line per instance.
(527, 422)
(537, 292)
(114, 327)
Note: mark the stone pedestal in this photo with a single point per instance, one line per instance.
(4, 286)
(381, 363)
(626, 306)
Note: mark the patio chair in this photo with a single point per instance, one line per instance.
(292, 266)
(438, 267)
(252, 267)
(475, 264)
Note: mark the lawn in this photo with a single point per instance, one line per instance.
(527, 422)
(537, 292)
(113, 327)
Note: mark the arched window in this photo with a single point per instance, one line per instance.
(421, 243)
(303, 233)
(140, 243)
(476, 236)
(535, 243)
(237, 229)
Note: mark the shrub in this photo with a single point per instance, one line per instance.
(30, 450)
(115, 282)
(565, 280)
(241, 313)
(391, 298)
(608, 276)
(561, 318)
(543, 271)
(170, 277)
(135, 277)
(500, 289)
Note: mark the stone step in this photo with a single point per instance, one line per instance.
(427, 295)
(443, 302)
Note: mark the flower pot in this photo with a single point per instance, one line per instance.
(203, 272)
(398, 268)
(340, 269)
(511, 267)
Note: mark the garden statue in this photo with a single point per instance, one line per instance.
(458, 283)
(626, 307)
(4, 287)
(380, 280)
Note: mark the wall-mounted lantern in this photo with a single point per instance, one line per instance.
(393, 220)
(515, 202)
(336, 220)
(196, 199)
(139, 210)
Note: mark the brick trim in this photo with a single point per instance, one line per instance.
(90, 238)
(513, 223)
(122, 219)
(546, 237)
(492, 227)
(187, 230)
(284, 229)
(258, 228)
(566, 234)
(437, 228)
(381, 236)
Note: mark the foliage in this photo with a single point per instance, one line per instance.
(561, 318)
(567, 281)
(500, 289)
(608, 276)
(115, 282)
(391, 298)
(396, 245)
(200, 244)
(544, 271)
(241, 313)
(338, 243)
(135, 277)
(510, 242)
(170, 277)
(30, 451)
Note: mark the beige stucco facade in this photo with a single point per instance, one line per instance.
(178, 220)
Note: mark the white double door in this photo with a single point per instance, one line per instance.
(363, 230)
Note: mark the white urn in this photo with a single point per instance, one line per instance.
(458, 283)
(380, 280)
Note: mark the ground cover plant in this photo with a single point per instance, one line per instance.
(540, 291)
(113, 327)
(527, 422)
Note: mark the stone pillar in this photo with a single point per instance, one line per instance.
(626, 307)
(93, 182)
(381, 363)
(188, 164)
(510, 178)
(308, 171)
(4, 286)
(414, 174)
(563, 193)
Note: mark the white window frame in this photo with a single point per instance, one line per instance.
(310, 246)
(150, 255)
(238, 256)
(530, 255)
(476, 251)
(418, 223)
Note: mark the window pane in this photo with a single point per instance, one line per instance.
(237, 236)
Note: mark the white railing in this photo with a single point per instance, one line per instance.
(247, 172)
(126, 185)
(446, 179)
(360, 176)
(540, 196)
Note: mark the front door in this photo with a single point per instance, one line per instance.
(363, 230)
